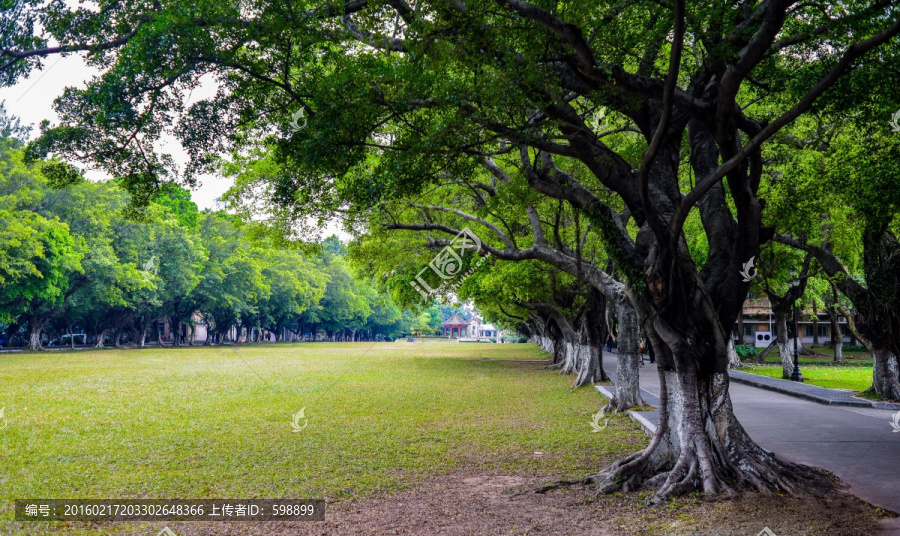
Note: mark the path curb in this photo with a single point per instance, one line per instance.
(813, 393)
(643, 418)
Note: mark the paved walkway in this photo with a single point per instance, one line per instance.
(855, 443)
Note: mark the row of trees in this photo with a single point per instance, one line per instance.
(72, 262)
(632, 156)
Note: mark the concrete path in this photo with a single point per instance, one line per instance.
(857, 444)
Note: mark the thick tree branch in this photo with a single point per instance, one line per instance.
(854, 51)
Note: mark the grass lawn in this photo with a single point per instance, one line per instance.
(863, 355)
(217, 422)
(394, 433)
(854, 373)
(857, 378)
(850, 358)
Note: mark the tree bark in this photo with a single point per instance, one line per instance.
(700, 445)
(594, 335)
(35, 327)
(837, 340)
(885, 374)
(628, 361)
(734, 361)
(590, 369)
(785, 346)
(100, 338)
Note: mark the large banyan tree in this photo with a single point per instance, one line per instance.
(638, 114)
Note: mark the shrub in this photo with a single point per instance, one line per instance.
(745, 350)
(492, 339)
(522, 339)
(854, 348)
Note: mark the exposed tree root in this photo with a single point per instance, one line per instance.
(617, 405)
(706, 451)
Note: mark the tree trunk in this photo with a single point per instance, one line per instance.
(100, 338)
(885, 374)
(837, 340)
(593, 331)
(35, 327)
(734, 361)
(628, 361)
(700, 446)
(760, 357)
(785, 349)
(570, 356)
(71, 336)
(589, 369)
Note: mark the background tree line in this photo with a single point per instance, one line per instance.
(75, 260)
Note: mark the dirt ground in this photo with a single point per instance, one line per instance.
(472, 504)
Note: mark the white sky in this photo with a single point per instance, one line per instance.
(32, 101)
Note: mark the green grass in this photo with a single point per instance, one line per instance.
(216, 422)
(863, 355)
(857, 378)
(850, 358)
(854, 373)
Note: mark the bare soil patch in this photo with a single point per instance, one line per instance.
(481, 504)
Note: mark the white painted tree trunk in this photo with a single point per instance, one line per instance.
(589, 366)
(627, 393)
(697, 444)
(734, 361)
(785, 351)
(570, 358)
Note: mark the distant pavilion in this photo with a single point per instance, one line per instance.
(458, 327)
(455, 326)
